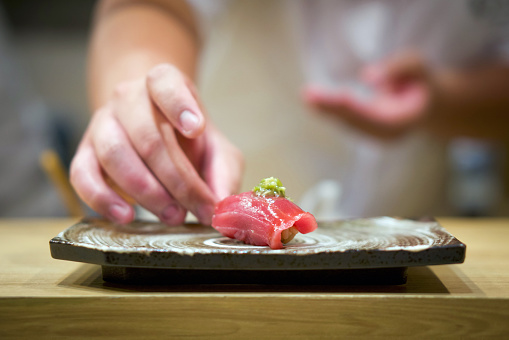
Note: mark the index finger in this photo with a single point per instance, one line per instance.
(170, 91)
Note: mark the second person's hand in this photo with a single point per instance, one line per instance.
(404, 92)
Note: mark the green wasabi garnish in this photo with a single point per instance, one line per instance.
(270, 187)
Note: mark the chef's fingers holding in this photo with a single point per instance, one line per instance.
(183, 178)
(154, 137)
(87, 178)
(149, 141)
(121, 163)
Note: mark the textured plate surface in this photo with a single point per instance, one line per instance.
(382, 242)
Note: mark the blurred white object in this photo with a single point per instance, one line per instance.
(323, 200)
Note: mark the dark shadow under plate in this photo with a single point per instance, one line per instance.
(152, 276)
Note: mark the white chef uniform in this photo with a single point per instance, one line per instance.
(258, 55)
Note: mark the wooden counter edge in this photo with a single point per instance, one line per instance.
(225, 315)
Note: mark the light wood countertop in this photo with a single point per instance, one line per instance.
(47, 298)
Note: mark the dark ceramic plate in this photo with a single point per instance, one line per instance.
(352, 251)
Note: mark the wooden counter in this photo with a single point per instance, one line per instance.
(45, 298)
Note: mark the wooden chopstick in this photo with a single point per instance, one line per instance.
(54, 169)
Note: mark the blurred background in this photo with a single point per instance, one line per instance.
(44, 106)
(49, 41)
(43, 99)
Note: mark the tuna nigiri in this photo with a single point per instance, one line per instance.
(262, 217)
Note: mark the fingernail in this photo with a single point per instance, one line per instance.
(119, 213)
(189, 121)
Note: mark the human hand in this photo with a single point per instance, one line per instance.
(404, 93)
(152, 142)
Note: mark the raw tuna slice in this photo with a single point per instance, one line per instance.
(261, 220)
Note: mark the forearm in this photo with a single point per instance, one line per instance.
(130, 37)
(473, 102)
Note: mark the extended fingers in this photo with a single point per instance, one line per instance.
(386, 106)
(386, 114)
(148, 141)
(173, 95)
(397, 69)
(87, 179)
(180, 175)
(322, 98)
(154, 138)
(121, 162)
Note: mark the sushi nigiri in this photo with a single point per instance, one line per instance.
(262, 217)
